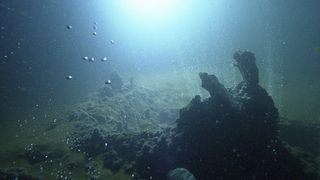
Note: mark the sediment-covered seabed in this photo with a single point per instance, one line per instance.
(124, 131)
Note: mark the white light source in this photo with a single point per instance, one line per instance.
(149, 7)
(152, 10)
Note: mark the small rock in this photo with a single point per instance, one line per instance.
(180, 174)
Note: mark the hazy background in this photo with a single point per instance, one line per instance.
(161, 49)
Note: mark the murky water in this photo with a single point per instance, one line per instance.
(81, 81)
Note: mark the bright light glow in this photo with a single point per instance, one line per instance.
(151, 7)
(152, 10)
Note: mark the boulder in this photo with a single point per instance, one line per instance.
(180, 174)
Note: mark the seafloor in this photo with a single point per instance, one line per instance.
(126, 131)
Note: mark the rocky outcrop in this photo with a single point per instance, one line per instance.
(233, 134)
(245, 62)
(217, 91)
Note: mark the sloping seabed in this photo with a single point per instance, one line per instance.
(126, 131)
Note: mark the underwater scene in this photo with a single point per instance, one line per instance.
(159, 89)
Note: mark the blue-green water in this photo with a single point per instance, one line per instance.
(161, 50)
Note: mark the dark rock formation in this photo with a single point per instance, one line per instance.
(112, 160)
(245, 61)
(217, 91)
(233, 134)
(16, 173)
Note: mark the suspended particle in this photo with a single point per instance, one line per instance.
(69, 27)
(91, 59)
(112, 41)
(108, 82)
(94, 33)
(86, 58)
(69, 77)
(104, 59)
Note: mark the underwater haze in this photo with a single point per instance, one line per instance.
(89, 88)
